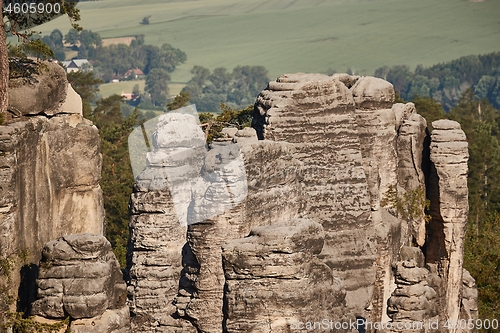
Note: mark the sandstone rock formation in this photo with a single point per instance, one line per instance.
(156, 241)
(158, 227)
(42, 90)
(469, 297)
(335, 200)
(200, 287)
(449, 209)
(274, 280)
(80, 277)
(49, 172)
(335, 185)
(413, 300)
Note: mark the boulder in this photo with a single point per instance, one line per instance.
(372, 92)
(79, 276)
(44, 91)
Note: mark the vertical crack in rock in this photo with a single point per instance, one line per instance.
(410, 176)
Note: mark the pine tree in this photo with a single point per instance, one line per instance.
(116, 177)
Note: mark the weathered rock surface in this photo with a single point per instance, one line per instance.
(410, 175)
(49, 172)
(214, 183)
(274, 280)
(317, 115)
(156, 241)
(315, 215)
(413, 300)
(44, 92)
(182, 184)
(53, 165)
(372, 92)
(389, 235)
(469, 308)
(79, 276)
(112, 321)
(378, 135)
(448, 195)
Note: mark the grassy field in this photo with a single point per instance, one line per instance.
(302, 35)
(109, 89)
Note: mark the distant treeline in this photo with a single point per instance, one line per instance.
(237, 89)
(446, 82)
(207, 89)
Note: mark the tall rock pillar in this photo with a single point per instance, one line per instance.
(449, 210)
(316, 113)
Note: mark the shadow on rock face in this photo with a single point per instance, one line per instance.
(27, 288)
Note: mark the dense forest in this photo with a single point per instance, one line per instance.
(447, 82)
(238, 88)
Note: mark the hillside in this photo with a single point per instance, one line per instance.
(301, 35)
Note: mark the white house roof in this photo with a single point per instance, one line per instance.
(75, 63)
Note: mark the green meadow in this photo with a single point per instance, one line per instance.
(301, 35)
(109, 89)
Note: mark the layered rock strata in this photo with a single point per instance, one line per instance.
(274, 280)
(227, 187)
(50, 165)
(449, 209)
(156, 239)
(384, 130)
(158, 226)
(333, 150)
(316, 114)
(80, 277)
(413, 301)
(469, 297)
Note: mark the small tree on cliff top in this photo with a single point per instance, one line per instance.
(20, 25)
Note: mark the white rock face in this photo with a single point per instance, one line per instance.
(177, 130)
(202, 183)
(73, 102)
(192, 185)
